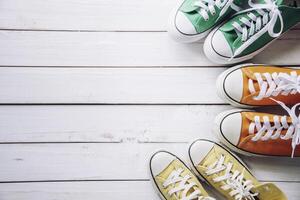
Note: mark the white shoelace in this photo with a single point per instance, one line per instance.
(266, 131)
(183, 187)
(265, 22)
(206, 6)
(275, 84)
(234, 181)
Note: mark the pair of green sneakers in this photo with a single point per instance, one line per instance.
(236, 30)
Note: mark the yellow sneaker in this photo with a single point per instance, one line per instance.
(173, 180)
(225, 172)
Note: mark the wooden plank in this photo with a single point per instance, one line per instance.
(103, 49)
(104, 15)
(88, 15)
(36, 162)
(99, 123)
(113, 190)
(92, 190)
(109, 85)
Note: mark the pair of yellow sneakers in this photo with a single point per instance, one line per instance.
(210, 163)
(256, 133)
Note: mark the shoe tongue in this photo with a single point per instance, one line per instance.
(269, 191)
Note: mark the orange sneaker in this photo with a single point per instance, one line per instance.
(252, 85)
(254, 133)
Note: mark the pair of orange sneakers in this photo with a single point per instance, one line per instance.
(260, 133)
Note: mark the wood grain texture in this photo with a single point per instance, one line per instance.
(104, 123)
(117, 49)
(21, 85)
(88, 15)
(133, 15)
(115, 161)
(94, 190)
(107, 52)
(109, 85)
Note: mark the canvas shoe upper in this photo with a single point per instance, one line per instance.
(255, 133)
(226, 173)
(173, 180)
(251, 30)
(193, 19)
(257, 85)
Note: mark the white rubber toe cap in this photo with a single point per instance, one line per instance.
(160, 161)
(199, 150)
(231, 126)
(184, 25)
(233, 85)
(220, 44)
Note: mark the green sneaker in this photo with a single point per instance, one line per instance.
(192, 20)
(250, 31)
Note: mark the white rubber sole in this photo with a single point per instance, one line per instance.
(220, 82)
(213, 56)
(179, 36)
(220, 90)
(220, 137)
(217, 133)
(193, 167)
(152, 179)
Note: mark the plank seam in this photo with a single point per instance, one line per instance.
(109, 180)
(91, 31)
(113, 104)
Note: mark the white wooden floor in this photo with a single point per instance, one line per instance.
(88, 89)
